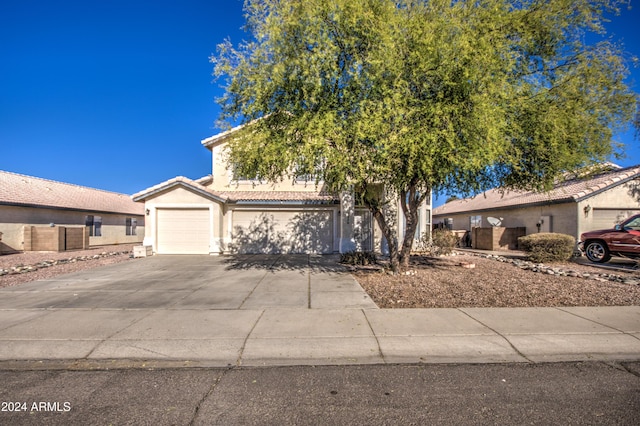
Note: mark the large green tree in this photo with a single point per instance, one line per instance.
(422, 95)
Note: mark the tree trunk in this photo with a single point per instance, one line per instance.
(388, 233)
(410, 200)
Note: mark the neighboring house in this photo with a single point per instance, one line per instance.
(111, 218)
(572, 207)
(223, 213)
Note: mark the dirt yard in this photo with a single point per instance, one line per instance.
(445, 283)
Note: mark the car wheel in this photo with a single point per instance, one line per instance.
(597, 251)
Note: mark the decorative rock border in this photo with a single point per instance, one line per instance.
(23, 269)
(544, 269)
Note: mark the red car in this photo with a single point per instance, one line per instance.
(623, 240)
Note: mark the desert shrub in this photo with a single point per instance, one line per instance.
(358, 258)
(547, 246)
(442, 241)
(423, 245)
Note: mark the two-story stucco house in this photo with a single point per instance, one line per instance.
(223, 213)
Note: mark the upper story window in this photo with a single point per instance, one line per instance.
(313, 175)
(306, 178)
(131, 225)
(237, 176)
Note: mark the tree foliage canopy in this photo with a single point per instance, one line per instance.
(457, 95)
(423, 95)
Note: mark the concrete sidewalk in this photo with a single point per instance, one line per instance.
(260, 311)
(329, 336)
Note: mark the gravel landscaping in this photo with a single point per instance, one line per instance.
(464, 280)
(19, 268)
(480, 281)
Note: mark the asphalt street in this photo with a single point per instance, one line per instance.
(539, 394)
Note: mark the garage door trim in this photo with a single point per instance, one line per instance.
(190, 236)
(323, 243)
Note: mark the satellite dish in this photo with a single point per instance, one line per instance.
(494, 221)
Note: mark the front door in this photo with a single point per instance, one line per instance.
(362, 230)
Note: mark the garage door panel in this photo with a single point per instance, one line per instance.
(283, 231)
(256, 233)
(608, 218)
(183, 231)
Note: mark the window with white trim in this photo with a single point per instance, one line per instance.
(131, 225)
(95, 225)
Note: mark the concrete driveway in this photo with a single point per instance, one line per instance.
(277, 310)
(198, 282)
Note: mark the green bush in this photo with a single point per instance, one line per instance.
(443, 241)
(548, 247)
(358, 258)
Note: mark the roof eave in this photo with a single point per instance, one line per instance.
(214, 140)
(150, 193)
(285, 202)
(511, 206)
(578, 198)
(74, 209)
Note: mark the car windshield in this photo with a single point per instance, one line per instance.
(633, 225)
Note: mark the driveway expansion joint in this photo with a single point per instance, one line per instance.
(244, 343)
(617, 331)
(380, 353)
(517, 351)
(102, 341)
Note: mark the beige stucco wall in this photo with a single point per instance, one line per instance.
(621, 196)
(563, 218)
(223, 178)
(14, 218)
(571, 218)
(180, 197)
(114, 230)
(221, 216)
(622, 200)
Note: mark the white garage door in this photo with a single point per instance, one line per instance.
(183, 231)
(301, 231)
(608, 218)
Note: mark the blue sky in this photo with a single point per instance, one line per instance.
(117, 94)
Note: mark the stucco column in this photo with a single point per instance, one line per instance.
(215, 243)
(347, 212)
(150, 227)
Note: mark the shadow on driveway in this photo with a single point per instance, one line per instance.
(285, 262)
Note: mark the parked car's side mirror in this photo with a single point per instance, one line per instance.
(618, 227)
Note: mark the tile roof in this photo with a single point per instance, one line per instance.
(239, 196)
(177, 181)
(17, 189)
(277, 196)
(571, 190)
(212, 140)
